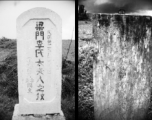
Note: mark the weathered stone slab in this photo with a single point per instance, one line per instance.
(122, 68)
(39, 52)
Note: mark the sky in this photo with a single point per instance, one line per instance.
(10, 10)
(113, 6)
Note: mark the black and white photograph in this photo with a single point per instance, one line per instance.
(37, 60)
(115, 59)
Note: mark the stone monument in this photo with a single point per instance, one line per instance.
(122, 67)
(39, 57)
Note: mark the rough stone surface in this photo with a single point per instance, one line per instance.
(39, 52)
(122, 69)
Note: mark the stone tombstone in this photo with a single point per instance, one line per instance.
(39, 52)
(122, 67)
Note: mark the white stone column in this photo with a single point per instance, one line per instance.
(39, 56)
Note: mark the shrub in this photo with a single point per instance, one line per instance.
(68, 81)
(8, 76)
(68, 89)
(85, 80)
(68, 107)
(7, 107)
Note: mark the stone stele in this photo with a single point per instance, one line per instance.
(39, 57)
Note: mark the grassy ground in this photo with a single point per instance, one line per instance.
(9, 83)
(85, 30)
(65, 47)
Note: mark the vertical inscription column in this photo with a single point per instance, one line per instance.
(39, 37)
(49, 38)
(49, 41)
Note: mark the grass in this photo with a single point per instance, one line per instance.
(85, 86)
(85, 73)
(65, 47)
(68, 107)
(85, 30)
(9, 83)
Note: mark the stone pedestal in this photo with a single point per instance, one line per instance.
(18, 116)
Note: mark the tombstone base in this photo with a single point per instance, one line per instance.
(17, 116)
